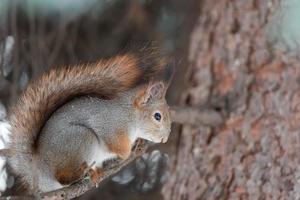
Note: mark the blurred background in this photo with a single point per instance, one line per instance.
(36, 35)
(39, 34)
(239, 58)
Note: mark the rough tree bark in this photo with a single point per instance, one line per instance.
(234, 69)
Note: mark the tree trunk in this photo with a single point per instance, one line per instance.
(235, 70)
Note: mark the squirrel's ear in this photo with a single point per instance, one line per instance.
(154, 91)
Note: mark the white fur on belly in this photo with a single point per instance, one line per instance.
(4, 139)
(100, 154)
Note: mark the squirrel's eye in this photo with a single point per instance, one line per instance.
(157, 116)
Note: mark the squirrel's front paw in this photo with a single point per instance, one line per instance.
(139, 146)
(96, 176)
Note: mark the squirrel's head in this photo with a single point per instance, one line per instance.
(152, 112)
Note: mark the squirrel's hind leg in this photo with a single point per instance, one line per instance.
(70, 176)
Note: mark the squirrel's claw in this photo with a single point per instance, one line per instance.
(96, 176)
(139, 147)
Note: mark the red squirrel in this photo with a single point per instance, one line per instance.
(86, 115)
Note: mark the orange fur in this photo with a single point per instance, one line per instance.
(120, 145)
(139, 99)
(70, 174)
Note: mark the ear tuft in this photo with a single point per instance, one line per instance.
(169, 72)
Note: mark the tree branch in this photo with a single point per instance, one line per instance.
(80, 187)
(195, 116)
